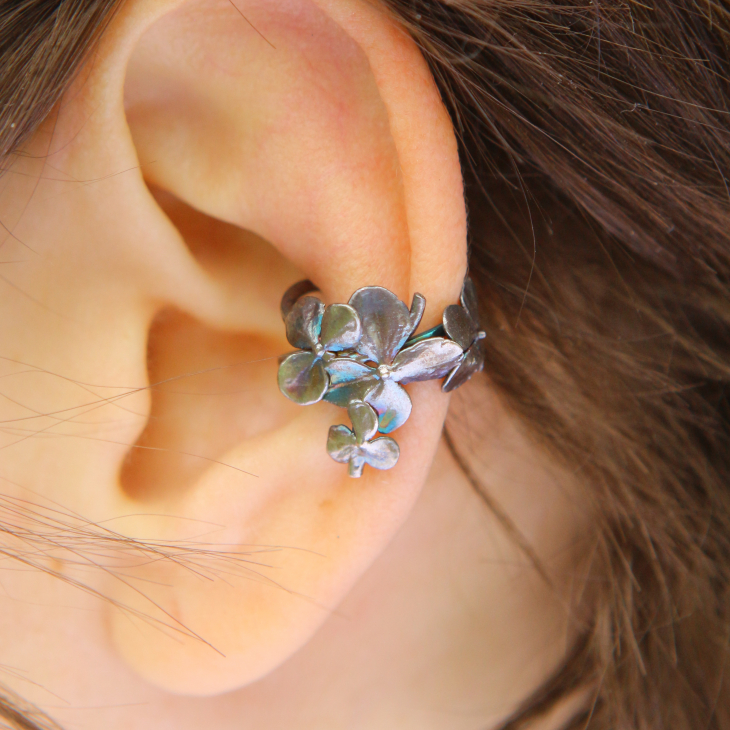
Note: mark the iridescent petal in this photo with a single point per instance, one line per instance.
(382, 453)
(459, 325)
(364, 421)
(386, 323)
(341, 328)
(349, 380)
(345, 370)
(472, 363)
(426, 360)
(392, 403)
(341, 444)
(304, 322)
(469, 300)
(302, 378)
(345, 393)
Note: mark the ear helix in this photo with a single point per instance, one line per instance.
(360, 355)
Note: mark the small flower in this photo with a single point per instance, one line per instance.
(386, 326)
(355, 447)
(462, 325)
(318, 332)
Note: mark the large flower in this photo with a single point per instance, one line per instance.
(462, 325)
(382, 368)
(355, 447)
(318, 332)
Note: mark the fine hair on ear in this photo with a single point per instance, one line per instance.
(593, 136)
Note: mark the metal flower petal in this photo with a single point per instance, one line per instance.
(294, 293)
(462, 322)
(340, 329)
(302, 378)
(304, 323)
(350, 380)
(355, 448)
(364, 421)
(462, 325)
(386, 323)
(391, 402)
(472, 363)
(381, 453)
(426, 360)
(341, 444)
(459, 326)
(321, 331)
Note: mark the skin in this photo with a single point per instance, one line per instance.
(196, 168)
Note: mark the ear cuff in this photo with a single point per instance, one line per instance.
(359, 356)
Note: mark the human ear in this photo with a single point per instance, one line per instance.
(203, 161)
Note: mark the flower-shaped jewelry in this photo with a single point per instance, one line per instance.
(462, 325)
(357, 447)
(360, 355)
(318, 332)
(386, 326)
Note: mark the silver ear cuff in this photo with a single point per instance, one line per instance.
(359, 356)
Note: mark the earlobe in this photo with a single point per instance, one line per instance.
(320, 134)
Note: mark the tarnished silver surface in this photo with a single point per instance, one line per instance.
(293, 293)
(472, 363)
(304, 323)
(380, 384)
(341, 328)
(357, 447)
(360, 355)
(462, 325)
(427, 360)
(458, 325)
(302, 378)
(318, 332)
(392, 403)
(386, 323)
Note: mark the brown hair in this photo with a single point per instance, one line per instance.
(595, 139)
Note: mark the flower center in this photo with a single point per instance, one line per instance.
(318, 350)
(384, 371)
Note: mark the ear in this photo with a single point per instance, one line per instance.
(279, 140)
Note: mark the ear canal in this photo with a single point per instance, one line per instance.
(211, 386)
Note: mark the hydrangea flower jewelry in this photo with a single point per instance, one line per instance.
(360, 355)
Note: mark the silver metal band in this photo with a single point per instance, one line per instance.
(359, 356)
